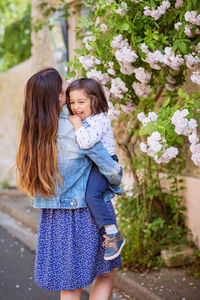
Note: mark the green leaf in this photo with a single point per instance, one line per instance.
(170, 129)
(43, 4)
(166, 103)
(69, 63)
(182, 46)
(182, 208)
(78, 51)
(124, 26)
(197, 116)
(188, 6)
(179, 140)
(71, 74)
(180, 93)
(85, 22)
(175, 45)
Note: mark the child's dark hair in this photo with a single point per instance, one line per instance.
(94, 91)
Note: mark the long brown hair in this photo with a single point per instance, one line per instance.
(36, 161)
(94, 90)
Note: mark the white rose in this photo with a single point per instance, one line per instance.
(184, 112)
(152, 116)
(145, 121)
(193, 138)
(172, 152)
(141, 116)
(156, 146)
(143, 147)
(156, 136)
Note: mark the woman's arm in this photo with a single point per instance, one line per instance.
(107, 166)
(98, 154)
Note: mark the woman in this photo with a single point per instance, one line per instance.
(53, 170)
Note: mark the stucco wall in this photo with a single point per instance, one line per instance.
(12, 84)
(11, 98)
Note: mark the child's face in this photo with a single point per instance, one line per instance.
(80, 104)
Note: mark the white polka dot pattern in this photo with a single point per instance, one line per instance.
(99, 130)
(69, 250)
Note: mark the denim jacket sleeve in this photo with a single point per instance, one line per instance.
(107, 166)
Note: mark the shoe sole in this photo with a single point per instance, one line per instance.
(116, 254)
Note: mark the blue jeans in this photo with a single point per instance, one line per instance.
(96, 187)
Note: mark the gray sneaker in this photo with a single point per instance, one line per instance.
(113, 244)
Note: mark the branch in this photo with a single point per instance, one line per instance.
(132, 169)
(159, 101)
(128, 139)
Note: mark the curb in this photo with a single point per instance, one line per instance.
(133, 288)
(19, 210)
(24, 235)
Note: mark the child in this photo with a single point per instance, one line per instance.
(86, 102)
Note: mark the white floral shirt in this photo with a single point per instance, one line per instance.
(99, 130)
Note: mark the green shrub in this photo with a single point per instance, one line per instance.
(16, 42)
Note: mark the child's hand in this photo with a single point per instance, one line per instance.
(76, 121)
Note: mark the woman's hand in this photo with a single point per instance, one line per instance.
(76, 122)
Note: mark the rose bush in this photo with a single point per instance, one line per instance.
(136, 47)
(141, 51)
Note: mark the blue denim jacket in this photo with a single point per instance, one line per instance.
(74, 165)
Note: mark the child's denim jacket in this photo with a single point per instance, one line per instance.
(74, 165)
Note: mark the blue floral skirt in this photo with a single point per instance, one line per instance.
(69, 249)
